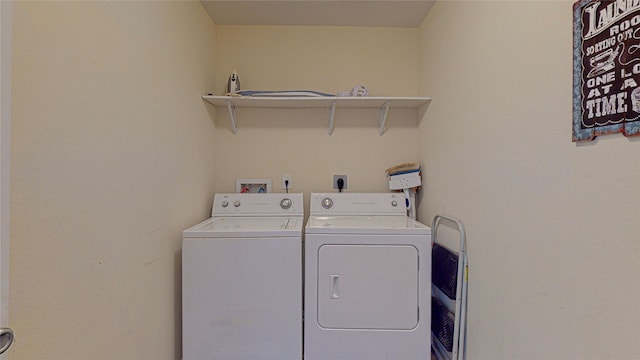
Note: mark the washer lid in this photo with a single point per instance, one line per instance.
(365, 225)
(246, 227)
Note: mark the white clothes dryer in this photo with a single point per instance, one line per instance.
(367, 279)
(242, 280)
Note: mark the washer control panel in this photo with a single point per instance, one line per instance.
(252, 204)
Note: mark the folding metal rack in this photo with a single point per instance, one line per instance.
(450, 272)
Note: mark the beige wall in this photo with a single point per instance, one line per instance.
(322, 58)
(114, 153)
(273, 142)
(112, 156)
(5, 147)
(553, 226)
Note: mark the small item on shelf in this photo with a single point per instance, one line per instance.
(357, 91)
(233, 84)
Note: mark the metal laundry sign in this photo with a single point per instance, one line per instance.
(606, 68)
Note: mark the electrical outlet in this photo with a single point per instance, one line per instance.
(335, 181)
(286, 182)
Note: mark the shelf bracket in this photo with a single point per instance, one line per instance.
(332, 113)
(232, 115)
(384, 110)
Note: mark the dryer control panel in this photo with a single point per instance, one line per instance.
(250, 204)
(365, 204)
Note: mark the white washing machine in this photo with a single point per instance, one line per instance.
(367, 279)
(242, 280)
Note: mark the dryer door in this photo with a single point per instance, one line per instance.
(368, 287)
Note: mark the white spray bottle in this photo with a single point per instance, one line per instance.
(233, 85)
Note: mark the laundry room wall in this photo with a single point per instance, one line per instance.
(553, 231)
(272, 142)
(112, 157)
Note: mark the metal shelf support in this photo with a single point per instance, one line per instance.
(332, 115)
(384, 110)
(232, 115)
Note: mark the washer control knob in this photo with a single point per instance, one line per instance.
(394, 203)
(286, 203)
(327, 203)
(225, 203)
(236, 203)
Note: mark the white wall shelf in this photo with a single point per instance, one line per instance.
(329, 103)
